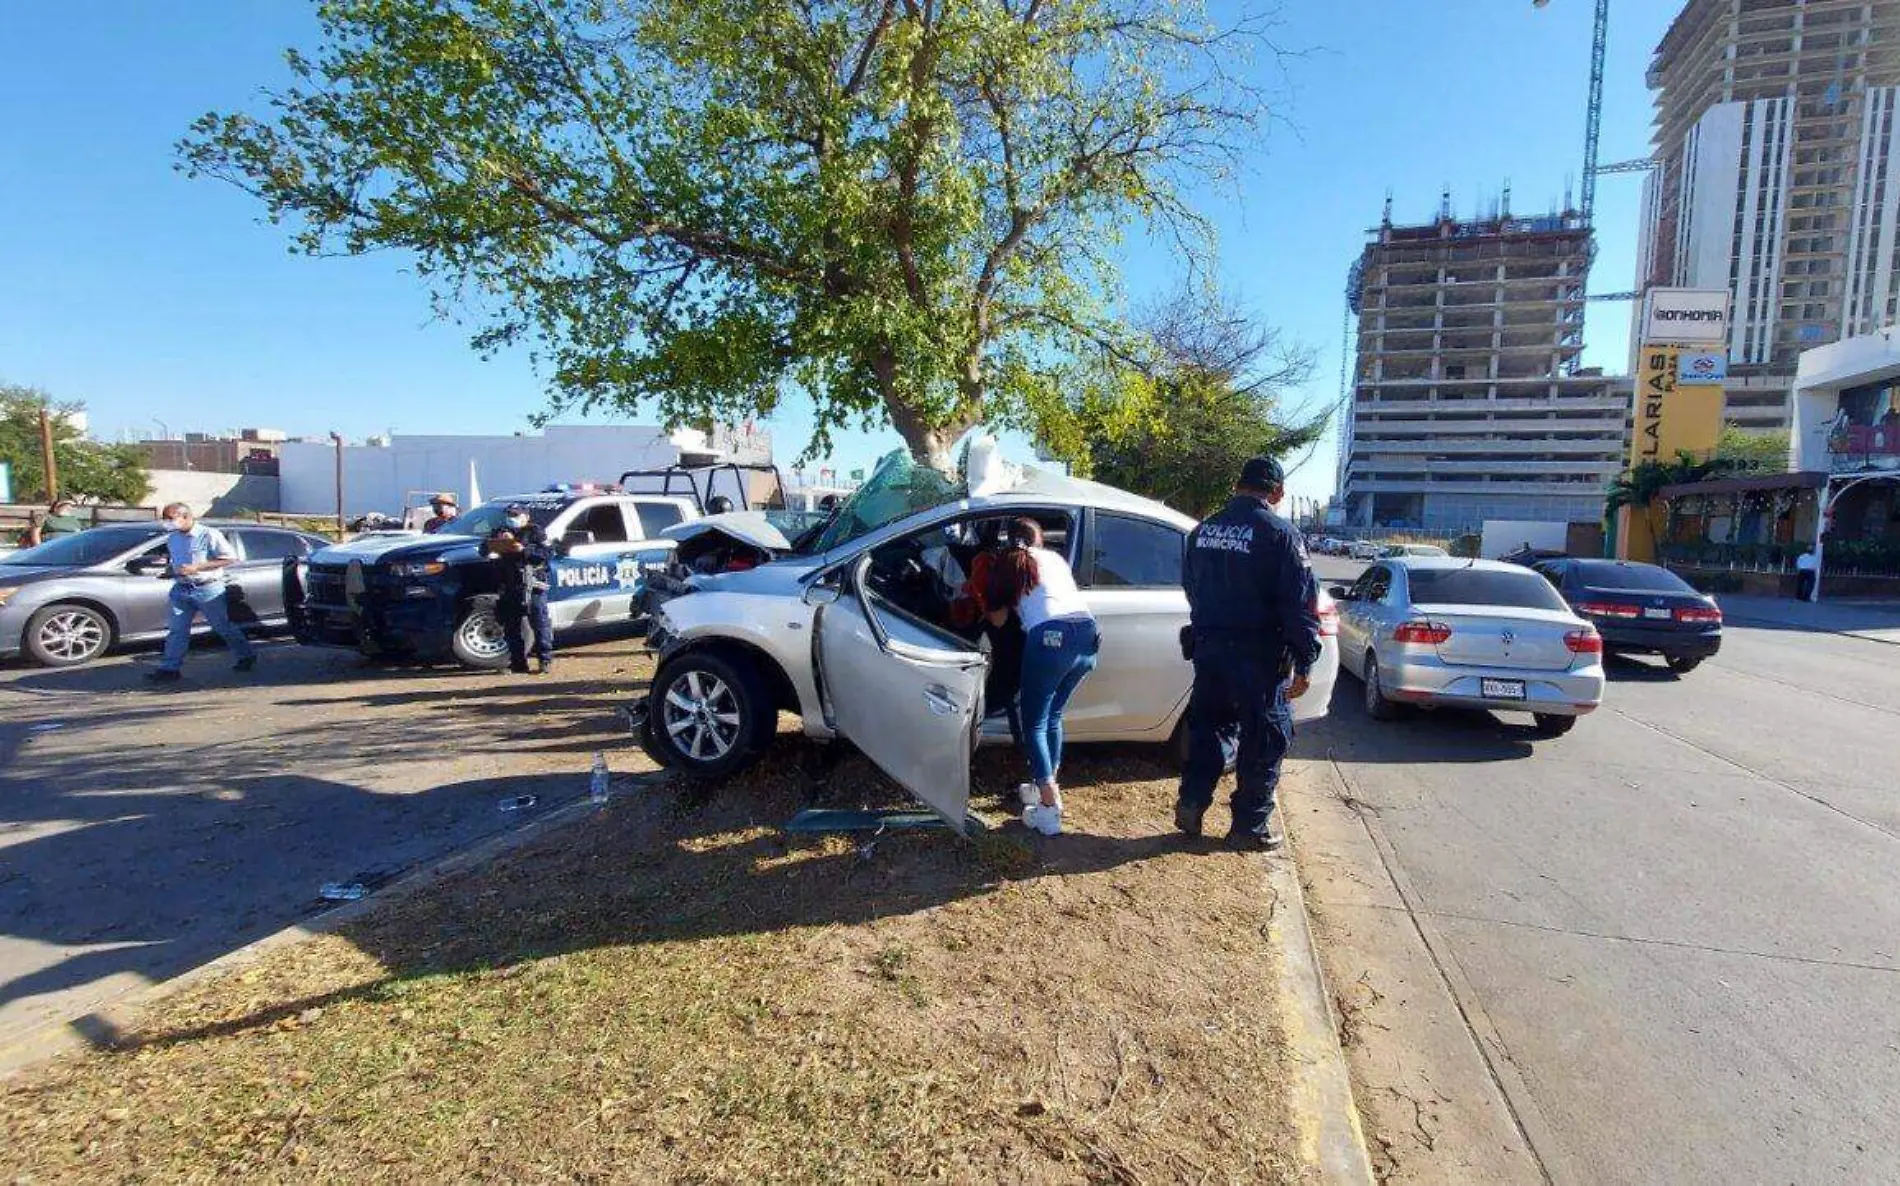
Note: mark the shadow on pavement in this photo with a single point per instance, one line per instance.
(1444, 735)
(1629, 669)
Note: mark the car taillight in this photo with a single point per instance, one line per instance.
(1701, 615)
(1328, 621)
(1606, 609)
(1584, 642)
(1422, 633)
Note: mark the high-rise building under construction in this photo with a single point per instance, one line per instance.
(1467, 400)
(1776, 139)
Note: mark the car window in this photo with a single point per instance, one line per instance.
(1521, 588)
(269, 545)
(1554, 573)
(604, 521)
(1646, 578)
(94, 546)
(1373, 585)
(1135, 553)
(656, 517)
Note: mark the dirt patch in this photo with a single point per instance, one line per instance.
(675, 990)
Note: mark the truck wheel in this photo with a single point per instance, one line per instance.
(67, 635)
(709, 716)
(478, 641)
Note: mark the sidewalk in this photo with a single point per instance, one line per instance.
(1876, 621)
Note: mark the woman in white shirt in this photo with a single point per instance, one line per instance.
(1060, 642)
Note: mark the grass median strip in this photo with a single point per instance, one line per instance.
(675, 990)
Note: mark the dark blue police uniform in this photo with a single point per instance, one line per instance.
(524, 594)
(1251, 596)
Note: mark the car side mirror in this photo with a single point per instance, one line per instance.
(1341, 593)
(149, 565)
(817, 595)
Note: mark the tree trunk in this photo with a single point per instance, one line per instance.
(931, 446)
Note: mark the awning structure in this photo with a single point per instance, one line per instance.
(1805, 480)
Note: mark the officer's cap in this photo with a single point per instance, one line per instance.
(515, 508)
(1261, 473)
(442, 500)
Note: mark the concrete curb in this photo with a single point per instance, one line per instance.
(111, 1015)
(1325, 1115)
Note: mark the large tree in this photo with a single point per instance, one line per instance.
(1177, 425)
(87, 469)
(905, 208)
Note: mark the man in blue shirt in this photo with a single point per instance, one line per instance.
(199, 555)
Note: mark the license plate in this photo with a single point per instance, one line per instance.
(1656, 611)
(1502, 689)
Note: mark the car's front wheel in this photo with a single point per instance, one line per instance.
(478, 640)
(67, 635)
(709, 715)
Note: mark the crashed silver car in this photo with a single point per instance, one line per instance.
(850, 626)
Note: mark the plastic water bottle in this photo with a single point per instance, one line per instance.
(597, 781)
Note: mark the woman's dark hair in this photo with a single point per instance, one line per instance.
(1025, 533)
(1012, 575)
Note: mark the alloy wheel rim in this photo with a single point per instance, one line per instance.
(482, 635)
(701, 715)
(72, 634)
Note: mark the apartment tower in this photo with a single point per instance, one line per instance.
(1776, 126)
(1467, 402)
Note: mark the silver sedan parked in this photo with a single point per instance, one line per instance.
(73, 598)
(1444, 633)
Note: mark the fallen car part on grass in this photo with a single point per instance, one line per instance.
(826, 820)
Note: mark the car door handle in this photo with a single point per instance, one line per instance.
(941, 701)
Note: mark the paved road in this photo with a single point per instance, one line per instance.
(145, 831)
(1682, 921)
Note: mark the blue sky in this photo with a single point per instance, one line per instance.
(155, 298)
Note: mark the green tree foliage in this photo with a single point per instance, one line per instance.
(87, 469)
(1178, 428)
(907, 208)
(1746, 450)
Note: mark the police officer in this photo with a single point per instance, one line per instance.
(520, 549)
(1254, 635)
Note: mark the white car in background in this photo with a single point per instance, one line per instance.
(850, 628)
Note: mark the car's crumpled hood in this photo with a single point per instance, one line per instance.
(781, 578)
(369, 549)
(748, 527)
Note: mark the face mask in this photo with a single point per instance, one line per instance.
(517, 521)
(178, 524)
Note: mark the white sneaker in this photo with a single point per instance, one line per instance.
(1046, 820)
(1029, 794)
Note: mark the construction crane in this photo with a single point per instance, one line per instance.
(1593, 117)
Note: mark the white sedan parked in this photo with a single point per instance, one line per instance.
(850, 628)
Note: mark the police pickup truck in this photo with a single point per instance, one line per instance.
(434, 596)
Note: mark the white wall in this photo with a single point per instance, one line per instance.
(376, 478)
(214, 495)
(1819, 377)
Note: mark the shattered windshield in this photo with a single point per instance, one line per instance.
(897, 487)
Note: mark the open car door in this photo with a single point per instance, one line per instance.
(907, 694)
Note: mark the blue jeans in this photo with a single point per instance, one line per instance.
(1057, 657)
(187, 602)
(1236, 687)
